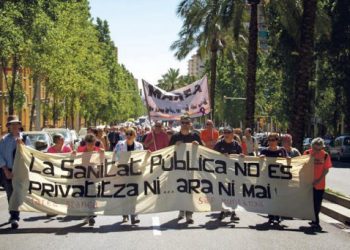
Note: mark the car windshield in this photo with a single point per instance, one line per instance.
(65, 133)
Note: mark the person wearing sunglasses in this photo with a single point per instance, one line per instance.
(185, 136)
(322, 164)
(157, 138)
(90, 146)
(273, 150)
(228, 145)
(209, 135)
(129, 144)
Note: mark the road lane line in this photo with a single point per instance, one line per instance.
(2, 196)
(156, 226)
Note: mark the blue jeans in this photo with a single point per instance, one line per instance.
(7, 185)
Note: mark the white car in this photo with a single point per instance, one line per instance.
(68, 139)
(340, 148)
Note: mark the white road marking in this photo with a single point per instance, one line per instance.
(2, 196)
(156, 226)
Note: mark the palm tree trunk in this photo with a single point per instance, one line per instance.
(213, 61)
(300, 110)
(251, 67)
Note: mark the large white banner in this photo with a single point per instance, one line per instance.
(192, 99)
(185, 177)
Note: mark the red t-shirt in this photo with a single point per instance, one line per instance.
(209, 137)
(161, 141)
(322, 161)
(83, 149)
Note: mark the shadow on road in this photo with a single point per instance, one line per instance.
(173, 224)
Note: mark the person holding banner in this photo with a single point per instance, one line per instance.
(8, 147)
(273, 150)
(157, 138)
(210, 135)
(322, 164)
(130, 144)
(185, 136)
(287, 145)
(228, 146)
(90, 146)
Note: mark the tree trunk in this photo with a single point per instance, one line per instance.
(213, 61)
(300, 107)
(251, 66)
(32, 111)
(15, 66)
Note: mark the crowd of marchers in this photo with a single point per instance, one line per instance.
(130, 138)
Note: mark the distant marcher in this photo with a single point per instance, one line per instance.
(209, 135)
(250, 143)
(157, 139)
(287, 143)
(322, 164)
(113, 138)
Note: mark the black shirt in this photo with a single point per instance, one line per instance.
(131, 147)
(185, 138)
(280, 152)
(228, 148)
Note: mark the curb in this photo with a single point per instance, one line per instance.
(342, 201)
(337, 207)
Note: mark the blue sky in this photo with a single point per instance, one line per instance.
(143, 31)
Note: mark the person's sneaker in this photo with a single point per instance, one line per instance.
(181, 215)
(14, 223)
(234, 217)
(221, 216)
(125, 218)
(189, 221)
(135, 220)
(91, 221)
(51, 215)
(312, 223)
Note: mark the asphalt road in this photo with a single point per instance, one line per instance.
(163, 231)
(338, 178)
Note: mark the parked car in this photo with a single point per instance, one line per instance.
(340, 148)
(68, 139)
(307, 143)
(35, 136)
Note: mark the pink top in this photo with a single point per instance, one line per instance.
(161, 141)
(65, 149)
(83, 149)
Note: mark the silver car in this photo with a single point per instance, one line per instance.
(340, 148)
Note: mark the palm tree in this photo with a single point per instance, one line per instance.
(202, 30)
(304, 73)
(170, 80)
(251, 65)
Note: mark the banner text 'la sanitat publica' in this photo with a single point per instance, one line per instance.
(185, 177)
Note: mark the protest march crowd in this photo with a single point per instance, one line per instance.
(120, 139)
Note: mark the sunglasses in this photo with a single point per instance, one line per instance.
(158, 126)
(209, 124)
(272, 139)
(129, 134)
(185, 123)
(227, 132)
